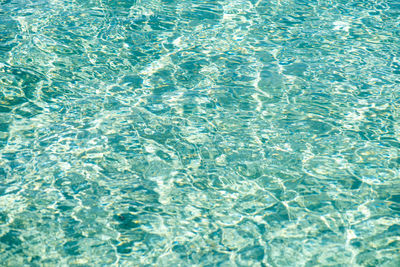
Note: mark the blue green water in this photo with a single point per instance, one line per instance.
(200, 133)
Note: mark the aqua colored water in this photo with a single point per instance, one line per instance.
(200, 133)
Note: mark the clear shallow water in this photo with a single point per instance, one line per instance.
(199, 133)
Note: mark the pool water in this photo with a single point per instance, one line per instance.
(200, 133)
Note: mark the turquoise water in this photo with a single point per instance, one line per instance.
(199, 133)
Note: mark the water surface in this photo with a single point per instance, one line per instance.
(199, 133)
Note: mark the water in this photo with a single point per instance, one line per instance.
(199, 133)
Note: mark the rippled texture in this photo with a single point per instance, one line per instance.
(199, 133)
